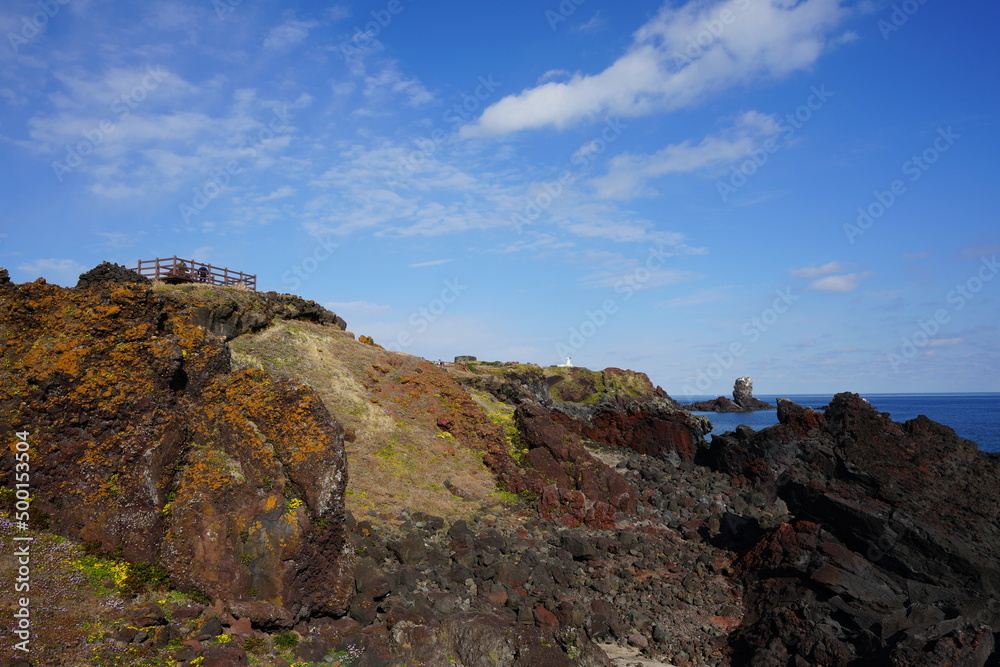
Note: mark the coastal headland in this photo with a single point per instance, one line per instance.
(217, 477)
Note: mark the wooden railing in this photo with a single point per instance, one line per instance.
(177, 270)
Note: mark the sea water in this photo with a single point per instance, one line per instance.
(975, 417)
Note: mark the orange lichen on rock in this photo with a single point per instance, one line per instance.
(144, 441)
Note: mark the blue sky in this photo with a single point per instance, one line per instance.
(802, 192)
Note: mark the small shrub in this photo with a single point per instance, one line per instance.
(286, 641)
(200, 598)
(255, 645)
(142, 577)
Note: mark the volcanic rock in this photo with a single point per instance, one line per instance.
(155, 448)
(742, 401)
(896, 528)
(108, 273)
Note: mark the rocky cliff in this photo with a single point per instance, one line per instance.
(146, 443)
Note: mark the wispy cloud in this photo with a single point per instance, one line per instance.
(338, 13)
(847, 282)
(434, 262)
(280, 193)
(816, 271)
(390, 83)
(593, 25)
(628, 173)
(977, 252)
(288, 34)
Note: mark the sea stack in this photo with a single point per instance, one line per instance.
(743, 392)
(742, 401)
(743, 395)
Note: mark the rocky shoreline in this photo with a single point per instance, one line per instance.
(736, 559)
(836, 537)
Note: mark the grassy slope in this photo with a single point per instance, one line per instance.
(582, 385)
(400, 458)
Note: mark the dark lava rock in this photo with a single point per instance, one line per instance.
(580, 548)
(145, 615)
(363, 609)
(312, 649)
(720, 404)
(897, 526)
(263, 615)
(224, 656)
(370, 579)
(411, 550)
(211, 627)
(106, 272)
(559, 456)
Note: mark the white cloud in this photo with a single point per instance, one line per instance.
(555, 74)
(816, 271)
(435, 262)
(288, 34)
(628, 173)
(847, 282)
(280, 193)
(660, 71)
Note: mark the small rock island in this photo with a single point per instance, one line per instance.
(742, 400)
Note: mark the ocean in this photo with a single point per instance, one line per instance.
(973, 416)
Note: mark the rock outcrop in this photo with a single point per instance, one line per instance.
(108, 273)
(572, 483)
(742, 401)
(892, 555)
(612, 408)
(146, 444)
(649, 426)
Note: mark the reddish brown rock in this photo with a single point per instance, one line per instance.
(545, 618)
(560, 458)
(153, 447)
(647, 426)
